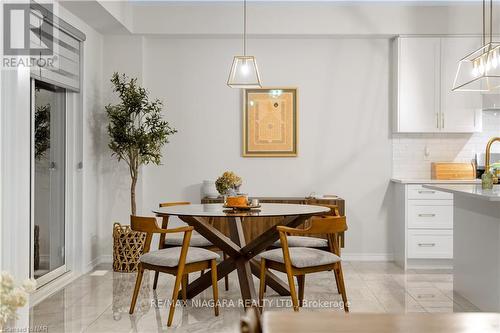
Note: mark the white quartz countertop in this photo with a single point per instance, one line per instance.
(434, 181)
(473, 191)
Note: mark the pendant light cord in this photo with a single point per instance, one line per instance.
(491, 21)
(245, 27)
(484, 23)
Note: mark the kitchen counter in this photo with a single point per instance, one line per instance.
(434, 181)
(476, 243)
(470, 190)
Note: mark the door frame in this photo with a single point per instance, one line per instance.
(56, 273)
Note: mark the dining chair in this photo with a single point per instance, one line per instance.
(197, 240)
(299, 261)
(309, 241)
(178, 261)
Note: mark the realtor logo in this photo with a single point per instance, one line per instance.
(26, 30)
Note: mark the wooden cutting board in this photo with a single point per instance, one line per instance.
(451, 171)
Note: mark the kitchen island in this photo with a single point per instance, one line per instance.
(476, 243)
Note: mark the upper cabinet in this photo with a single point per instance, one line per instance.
(423, 78)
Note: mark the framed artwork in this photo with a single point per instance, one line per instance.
(270, 122)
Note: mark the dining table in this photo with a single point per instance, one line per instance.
(240, 254)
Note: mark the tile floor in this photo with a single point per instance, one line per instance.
(99, 301)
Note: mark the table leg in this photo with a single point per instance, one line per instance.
(242, 264)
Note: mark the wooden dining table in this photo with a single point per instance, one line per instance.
(240, 254)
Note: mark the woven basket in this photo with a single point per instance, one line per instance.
(127, 248)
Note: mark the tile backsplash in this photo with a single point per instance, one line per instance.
(413, 154)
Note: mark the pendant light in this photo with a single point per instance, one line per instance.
(480, 70)
(244, 72)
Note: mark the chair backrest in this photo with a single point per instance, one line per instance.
(149, 226)
(334, 209)
(144, 224)
(329, 225)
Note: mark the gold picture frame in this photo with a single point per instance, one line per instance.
(270, 122)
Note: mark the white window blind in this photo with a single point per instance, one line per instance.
(62, 68)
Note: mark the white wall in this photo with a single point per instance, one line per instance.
(344, 141)
(122, 54)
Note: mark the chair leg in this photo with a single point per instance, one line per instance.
(301, 279)
(184, 288)
(293, 293)
(215, 289)
(336, 273)
(342, 287)
(262, 287)
(138, 281)
(226, 278)
(155, 283)
(175, 294)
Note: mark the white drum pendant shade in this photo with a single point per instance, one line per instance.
(244, 73)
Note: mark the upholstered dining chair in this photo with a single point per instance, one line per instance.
(299, 261)
(178, 261)
(197, 240)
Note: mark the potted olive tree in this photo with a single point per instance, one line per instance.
(136, 128)
(137, 133)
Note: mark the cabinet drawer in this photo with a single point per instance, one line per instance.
(430, 214)
(430, 244)
(418, 192)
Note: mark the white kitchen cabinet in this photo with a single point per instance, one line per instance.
(423, 227)
(460, 110)
(418, 84)
(425, 69)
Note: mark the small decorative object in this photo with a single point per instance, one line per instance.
(127, 248)
(237, 201)
(209, 189)
(228, 184)
(487, 180)
(136, 128)
(270, 122)
(255, 202)
(12, 297)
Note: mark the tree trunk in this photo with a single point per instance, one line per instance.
(132, 195)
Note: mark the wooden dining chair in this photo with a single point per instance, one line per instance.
(178, 261)
(299, 261)
(197, 240)
(311, 241)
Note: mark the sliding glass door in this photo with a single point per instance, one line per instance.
(48, 181)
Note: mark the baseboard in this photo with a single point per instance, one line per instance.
(52, 287)
(91, 265)
(367, 256)
(106, 259)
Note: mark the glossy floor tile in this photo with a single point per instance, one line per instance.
(99, 302)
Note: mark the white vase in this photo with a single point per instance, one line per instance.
(209, 190)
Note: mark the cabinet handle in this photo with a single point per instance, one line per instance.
(442, 120)
(423, 191)
(437, 120)
(426, 244)
(426, 215)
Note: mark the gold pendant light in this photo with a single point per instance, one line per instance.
(244, 72)
(480, 70)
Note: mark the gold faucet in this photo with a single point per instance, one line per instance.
(487, 158)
